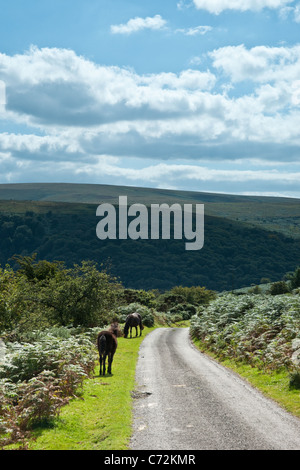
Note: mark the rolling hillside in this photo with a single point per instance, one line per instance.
(271, 213)
(246, 238)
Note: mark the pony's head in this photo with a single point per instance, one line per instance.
(126, 328)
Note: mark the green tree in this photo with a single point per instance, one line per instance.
(295, 279)
(37, 271)
(278, 288)
(139, 296)
(195, 295)
(41, 294)
(81, 295)
(10, 310)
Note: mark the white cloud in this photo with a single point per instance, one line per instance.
(195, 31)
(294, 11)
(163, 174)
(173, 173)
(87, 115)
(188, 79)
(57, 87)
(259, 64)
(218, 6)
(2, 93)
(297, 13)
(137, 24)
(31, 145)
(155, 23)
(182, 4)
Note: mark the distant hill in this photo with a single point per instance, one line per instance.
(271, 213)
(246, 238)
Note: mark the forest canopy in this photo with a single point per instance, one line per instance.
(234, 255)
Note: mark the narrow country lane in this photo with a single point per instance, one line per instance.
(186, 401)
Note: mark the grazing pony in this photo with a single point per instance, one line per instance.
(133, 321)
(107, 344)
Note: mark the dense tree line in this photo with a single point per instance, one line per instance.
(233, 255)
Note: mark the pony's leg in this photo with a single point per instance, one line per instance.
(136, 331)
(100, 361)
(110, 359)
(104, 363)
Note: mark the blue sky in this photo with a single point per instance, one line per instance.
(199, 95)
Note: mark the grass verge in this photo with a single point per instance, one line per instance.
(274, 385)
(101, 419)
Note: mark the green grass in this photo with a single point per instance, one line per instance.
(274, 385)
(101, 418)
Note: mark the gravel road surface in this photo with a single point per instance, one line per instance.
(186, 401)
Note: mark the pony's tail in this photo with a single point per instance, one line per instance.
(102, 344)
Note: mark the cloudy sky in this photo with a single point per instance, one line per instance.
(201, 95)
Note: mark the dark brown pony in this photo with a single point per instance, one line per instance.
(107, 345)
(133, 321)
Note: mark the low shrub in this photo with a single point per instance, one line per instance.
(37, 379)
(258, 329)
(185, 310)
